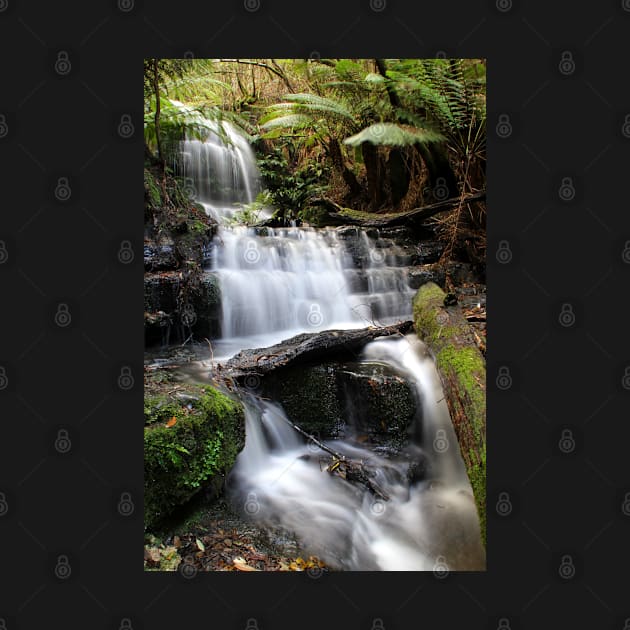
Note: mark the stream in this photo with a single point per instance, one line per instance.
(279, 282)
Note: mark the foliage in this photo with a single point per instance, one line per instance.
(289, 190)
(390, 134)
(252, 213)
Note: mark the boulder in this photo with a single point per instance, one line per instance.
(189, 444)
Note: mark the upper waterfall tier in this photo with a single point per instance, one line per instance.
(221, 170)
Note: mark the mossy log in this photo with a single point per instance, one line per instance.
(334, 214)
(462, 370)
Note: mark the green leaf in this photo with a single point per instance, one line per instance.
(389, 134)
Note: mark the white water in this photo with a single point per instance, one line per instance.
(425, 524)
(294, 280)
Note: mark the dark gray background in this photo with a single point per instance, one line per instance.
(561, 497)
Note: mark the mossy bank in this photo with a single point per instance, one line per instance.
(462, 370)
(191, 440)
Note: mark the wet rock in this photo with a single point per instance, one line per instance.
(309, 396)
(159, 257)
(366, 401)
(174, 310)
(417, 276)
(378, 403)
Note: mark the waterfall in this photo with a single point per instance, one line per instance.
(278, 282)
(278, 480)
(275, 283)
(221, 170)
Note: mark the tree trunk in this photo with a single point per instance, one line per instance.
(462, 370)
(334, 150)
(156, 89)
(372, 172)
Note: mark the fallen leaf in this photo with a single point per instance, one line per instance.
(227, 542)
(152, 554)
(177, 542)
(172, 422)
(241, 565)
(200, 545)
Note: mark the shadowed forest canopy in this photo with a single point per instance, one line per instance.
(377, 136)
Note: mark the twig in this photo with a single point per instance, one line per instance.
(211, 352)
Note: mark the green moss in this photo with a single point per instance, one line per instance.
(152, 189)
(469, 368)
(160, 408)
(201, 445)
(457, 359)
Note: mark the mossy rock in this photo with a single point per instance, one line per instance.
(206, 433)
(462, 369)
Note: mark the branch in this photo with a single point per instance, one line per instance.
(277, 71)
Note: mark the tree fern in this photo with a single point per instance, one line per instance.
(390, 134)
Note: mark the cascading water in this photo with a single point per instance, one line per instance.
(430, 518)
(278, 282)
(222, 170)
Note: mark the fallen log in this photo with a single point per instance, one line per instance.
(337, 215)
(305, 347)
(462, 370)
